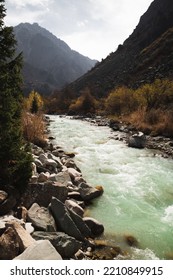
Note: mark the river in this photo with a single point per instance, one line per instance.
(138, 187)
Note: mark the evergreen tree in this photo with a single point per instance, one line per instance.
(15, 162)
(34, 105)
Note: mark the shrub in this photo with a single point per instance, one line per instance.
(121, 101)
(34, 128)
(86, 103)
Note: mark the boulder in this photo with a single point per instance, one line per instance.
(72, 205)
(131, 240)
(74, 173)
(43, 158)
(63, 220)
(81, 225)
(9, 246)
(137, 140)
(36, 150)
(96, 227)
(62, 178)
(50, 164)
(23, 237)
(78, 180)
(66, 245)
(42, 193)
(58, 152)
(40, 250)
(37, 162)
(41, 218)
(56, 159)
(43, 177)
(88, 192)
(3, 196)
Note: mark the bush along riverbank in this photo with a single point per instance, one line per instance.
(48, 220)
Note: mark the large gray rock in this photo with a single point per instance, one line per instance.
(43, 177)
(66, 245)
(96, 227)
(50, 164)
(56, 159)
(42, 193)
(137, 140)
(41, 218)
(81, 225)
(43, 158)
(62, 178)
(40, 250)
(88, 192)
(63, 220)
(72, 205)
(73, 173)
(9, 246)
(23, 237)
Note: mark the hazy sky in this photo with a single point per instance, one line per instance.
(92, 27)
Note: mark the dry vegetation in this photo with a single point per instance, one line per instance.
(33, 124)
(149, 107)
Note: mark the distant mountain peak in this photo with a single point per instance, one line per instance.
(49, 63)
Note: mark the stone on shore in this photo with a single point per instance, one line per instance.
(42, 193)
(61, 177)
(43, 177)
(41, 218)
(137, 140)
(96, 227)
(66, 245)
(63, 220)
(73, 173)
(81, 225)
(9, 246)
(72, 205)
(40, 250)
(88, 193)
(23, 237)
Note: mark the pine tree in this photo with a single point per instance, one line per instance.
(15, 162)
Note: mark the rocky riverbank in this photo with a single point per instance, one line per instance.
(49, 215)
(48, 221)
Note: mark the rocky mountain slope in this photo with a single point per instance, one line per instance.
(147, 54)
(48, 61)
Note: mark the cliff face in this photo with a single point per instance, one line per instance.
(48, 61)
(147, 54)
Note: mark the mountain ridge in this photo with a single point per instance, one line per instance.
(49, 62)
(119, 67)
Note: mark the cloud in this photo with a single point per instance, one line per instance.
(92, 27)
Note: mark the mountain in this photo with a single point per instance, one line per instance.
(48, 61)
(147, 54)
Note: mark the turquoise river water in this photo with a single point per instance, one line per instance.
(138, 187)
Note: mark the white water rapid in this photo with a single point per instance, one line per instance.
(138, 187)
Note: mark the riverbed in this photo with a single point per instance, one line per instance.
(138, 187)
